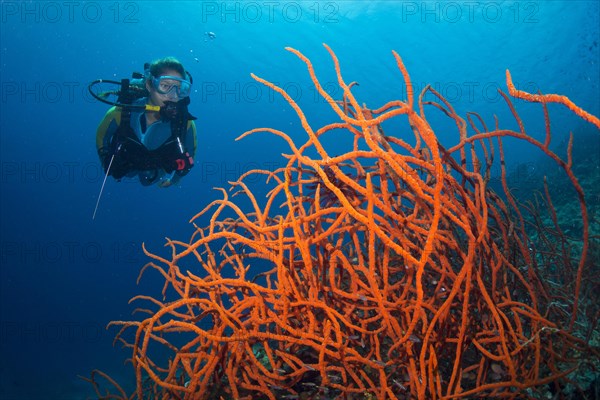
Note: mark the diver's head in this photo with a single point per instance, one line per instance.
(167, 80)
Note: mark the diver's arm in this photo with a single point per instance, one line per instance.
(104, 135)
(108, 145)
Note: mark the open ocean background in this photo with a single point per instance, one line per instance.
(64, 276)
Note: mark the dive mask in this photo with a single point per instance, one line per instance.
(172, 86)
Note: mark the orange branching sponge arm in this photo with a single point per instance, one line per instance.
(390, 271)
(550, 98)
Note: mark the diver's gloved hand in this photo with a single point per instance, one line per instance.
(181, 165)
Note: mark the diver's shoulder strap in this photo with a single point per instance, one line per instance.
(127, 100)
(181, 122)
(125, 131)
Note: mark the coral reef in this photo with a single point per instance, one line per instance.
(389, 271)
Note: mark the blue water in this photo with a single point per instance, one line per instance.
(64, 276)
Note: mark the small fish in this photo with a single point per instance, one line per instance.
(414, 339)
(401, 386)
(211, 35)
(469, 376)
(497, 368)
(308, 367)
(196, 59)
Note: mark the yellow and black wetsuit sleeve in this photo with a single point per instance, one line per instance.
(105, 133)
(107, 128)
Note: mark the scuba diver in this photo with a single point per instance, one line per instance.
(148, 132)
